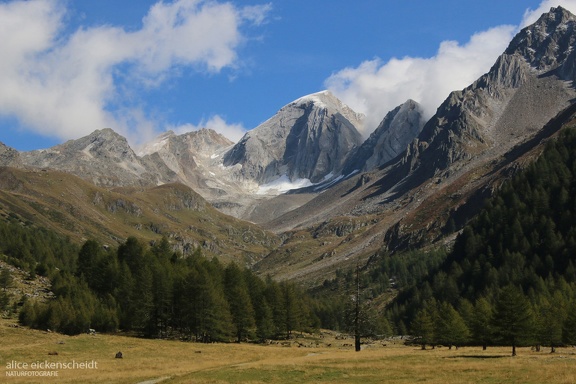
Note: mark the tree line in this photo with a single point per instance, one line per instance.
(152, 291)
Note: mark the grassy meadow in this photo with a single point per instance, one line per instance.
(314, 361)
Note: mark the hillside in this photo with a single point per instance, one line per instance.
(416, 216)
(81, 210)
(522, 243)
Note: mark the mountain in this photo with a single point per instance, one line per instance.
(104, 157)
(525, 88)
(399, 127)
(186, 152)
(409, 185)
(478, 137)
(9, 156)
(194, 159)
(310, 138)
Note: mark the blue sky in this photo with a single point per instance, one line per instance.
(141, 67)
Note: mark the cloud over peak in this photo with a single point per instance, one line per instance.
(376, 87)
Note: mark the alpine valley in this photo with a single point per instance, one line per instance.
(304, 194)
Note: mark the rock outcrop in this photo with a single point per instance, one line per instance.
(398, 129)
(9, 157)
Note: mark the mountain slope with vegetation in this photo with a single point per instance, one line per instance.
(76, 208)
(513, 264)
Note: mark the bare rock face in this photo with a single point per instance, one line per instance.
(310, 138)
(103, 157)
(398, 129)
(548, 44)
(528, 85)
(9, 157)
(185, 154)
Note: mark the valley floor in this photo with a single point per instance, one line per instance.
(319, 358)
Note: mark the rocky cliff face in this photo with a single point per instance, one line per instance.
(398, 129)
(548, 45)
(195, 158)
(9, 157)
(310, 138)
(526, 87)
(103, 157)
(188, 154)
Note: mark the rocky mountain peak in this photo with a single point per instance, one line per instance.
(156, 144)
(104, 157)
(186, 152)
(104, 142)
(8, 156)
(526, 87)
(309, 138)
(396, 131)
(201, 142)
(548, 43)
(325, 100)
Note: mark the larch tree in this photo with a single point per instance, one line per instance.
(513, 319)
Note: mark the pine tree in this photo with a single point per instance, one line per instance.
(239, 302)
(4, 300)
(451, 328)
(481, 324)
(262, 310)
(215, 317)
(569, 326)
(162, 284)
(293, 309)
(88, 258)
(422, 327)
(513, 318)
(550, 317)
(6, 279)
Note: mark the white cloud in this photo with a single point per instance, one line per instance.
(233, 132)
(376, 87)
(63, 85)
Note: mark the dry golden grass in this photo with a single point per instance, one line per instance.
(177, 362)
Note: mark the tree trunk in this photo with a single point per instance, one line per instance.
(513, 349)
(357, 312)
